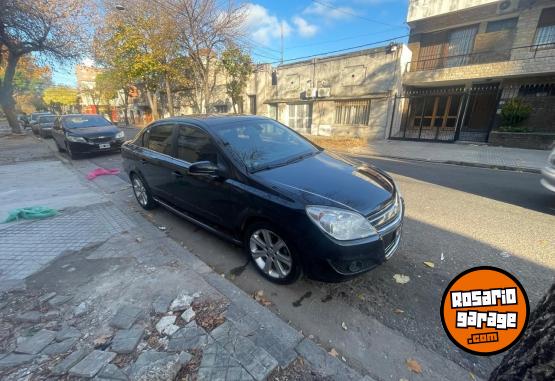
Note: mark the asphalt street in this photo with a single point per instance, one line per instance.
(456, 217)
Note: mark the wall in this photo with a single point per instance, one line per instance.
(511, 54)
(370, 74)
(419, 9)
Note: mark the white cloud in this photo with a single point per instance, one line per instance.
(304, 28)
(331, 12)
(88, 62)
(263, 26)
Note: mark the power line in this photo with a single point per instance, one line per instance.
(341, 50)
(340, 39)
(343, 10)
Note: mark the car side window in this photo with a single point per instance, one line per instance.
(195, 145)
(159, 138)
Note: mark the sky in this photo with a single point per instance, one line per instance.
(310, 27)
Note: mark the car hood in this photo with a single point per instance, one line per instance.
(331, 180)
(91, 132)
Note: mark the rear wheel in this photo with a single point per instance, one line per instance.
(142, 192)
(272, 254)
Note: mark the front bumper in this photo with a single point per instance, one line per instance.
(94, 147)
(548, 178)
(330, 260)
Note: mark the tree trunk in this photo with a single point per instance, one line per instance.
(169, 96)
(126, 106)
(532, 358)
(6, 94)
(153, 103)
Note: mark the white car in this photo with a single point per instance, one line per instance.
(548, 173)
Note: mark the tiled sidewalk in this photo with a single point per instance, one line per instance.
(457, 153)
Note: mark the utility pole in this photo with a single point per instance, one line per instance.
(281, 28)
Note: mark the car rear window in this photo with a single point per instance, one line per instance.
(80, 121)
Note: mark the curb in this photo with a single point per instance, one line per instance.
(449, 162)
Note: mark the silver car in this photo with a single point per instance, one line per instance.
(548, 173)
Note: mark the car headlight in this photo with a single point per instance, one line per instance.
(120, 135)
(75, 139)
(341, 224)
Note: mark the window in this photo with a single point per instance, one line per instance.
(221, 109)
(159, 138)
(272, 111)
(274, 78)
(83, 121)
(545, 34)
(195, 145)
(352, 112)
(300, 117)
(499, 25)
(449, 48)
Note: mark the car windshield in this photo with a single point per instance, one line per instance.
(37, 116)
(80, 121)
(264, 144)
(47, 119)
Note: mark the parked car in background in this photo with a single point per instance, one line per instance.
(79, 134)
(33, 120)
(45, 124)
(294, 207)
(548, 173)
(23, 120)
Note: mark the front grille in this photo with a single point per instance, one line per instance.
(101, 139)
(386, 215)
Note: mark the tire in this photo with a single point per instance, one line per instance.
(42, 134)
(285, 267)
(142, 192)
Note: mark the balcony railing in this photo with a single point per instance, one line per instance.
(514, 54)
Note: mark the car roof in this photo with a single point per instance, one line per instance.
(210, 121)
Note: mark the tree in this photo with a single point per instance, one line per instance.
(205, 30)
(140, 45)
(111, 84)
(29, 81)
(53, 29)
(60, 98)
(532, 357)
(238, 66)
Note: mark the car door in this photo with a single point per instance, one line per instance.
(155, 158)
(211, 198)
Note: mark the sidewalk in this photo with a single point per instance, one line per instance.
(457, 153)
(99, 292)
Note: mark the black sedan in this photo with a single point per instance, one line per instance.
(293, 206)
(79, 134)
(44, 125)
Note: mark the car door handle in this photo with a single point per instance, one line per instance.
(144, 161)
(177, 174)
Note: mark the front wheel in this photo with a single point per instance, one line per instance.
(142, 192)
(272, 254)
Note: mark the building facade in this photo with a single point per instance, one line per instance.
(344, 95)
(481, 70)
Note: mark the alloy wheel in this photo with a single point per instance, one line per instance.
(270, 253)
(140, 191)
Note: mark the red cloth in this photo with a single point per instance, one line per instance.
(101, 172)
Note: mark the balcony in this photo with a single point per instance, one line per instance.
(524, 60)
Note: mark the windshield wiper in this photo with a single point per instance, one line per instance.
(287, 162)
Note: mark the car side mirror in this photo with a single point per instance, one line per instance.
(204, 168)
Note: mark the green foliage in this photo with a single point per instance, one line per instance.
(238, 66)
(60, 96)
(514, 112)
